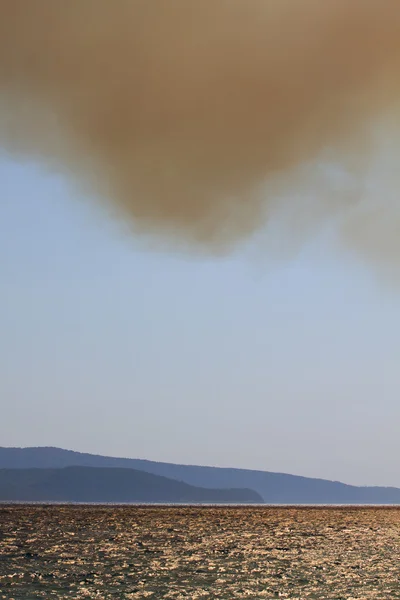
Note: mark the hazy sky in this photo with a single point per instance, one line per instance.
(109, 346)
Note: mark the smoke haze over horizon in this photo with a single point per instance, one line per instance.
(199, 120)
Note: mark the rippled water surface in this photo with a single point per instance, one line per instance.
(199, 552)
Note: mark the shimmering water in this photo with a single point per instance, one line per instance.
(199, 552)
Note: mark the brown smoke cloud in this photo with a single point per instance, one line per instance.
(199, 119)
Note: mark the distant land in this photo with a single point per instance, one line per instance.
(106, 484)
(272, 488)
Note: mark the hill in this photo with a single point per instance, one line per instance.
(96, 484)
(275, 488)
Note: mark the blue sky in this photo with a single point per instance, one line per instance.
(110, 345)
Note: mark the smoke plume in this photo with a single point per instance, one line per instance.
(201, 119)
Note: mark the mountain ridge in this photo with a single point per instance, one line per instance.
(274, 488)
(105, 484)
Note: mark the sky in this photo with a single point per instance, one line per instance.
(113, 345)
